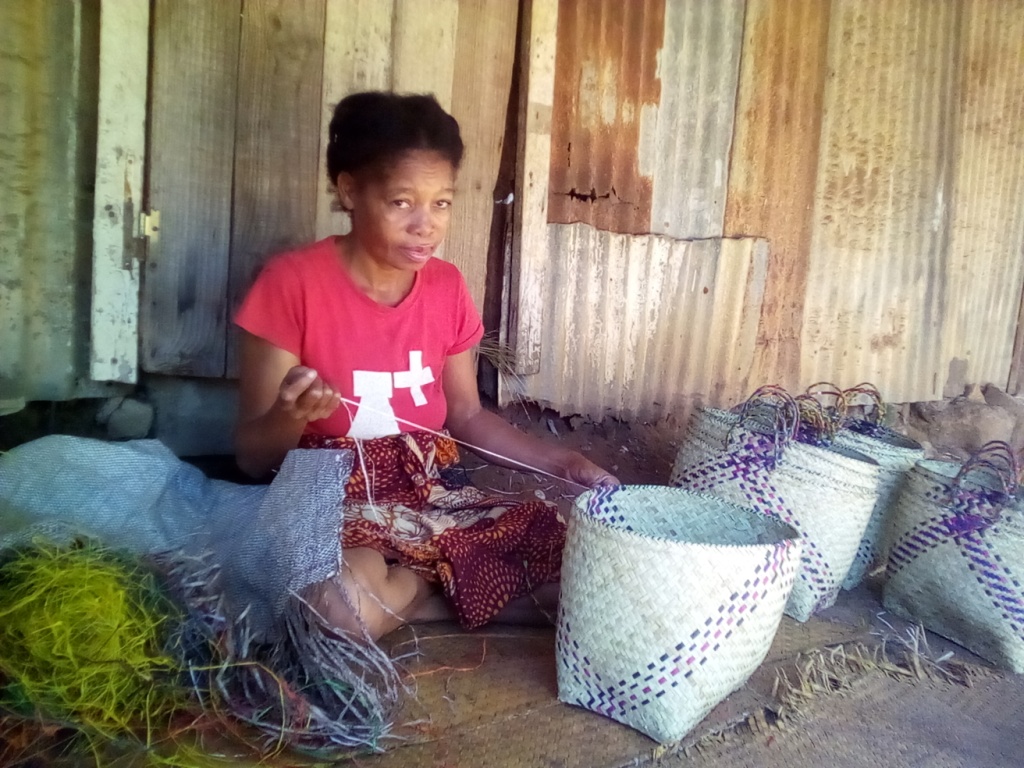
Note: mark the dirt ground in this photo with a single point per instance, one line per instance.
(635, 452)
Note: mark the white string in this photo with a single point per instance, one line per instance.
(366, 475)
(475, 448)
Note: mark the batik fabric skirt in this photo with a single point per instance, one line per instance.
(483, 551)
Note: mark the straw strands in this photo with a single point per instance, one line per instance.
(81, 644)
(96, 657)
(837, 669)
(317, 691)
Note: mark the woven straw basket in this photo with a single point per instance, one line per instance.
(827, 494)
(670, 600)
(956, 558)
(896, 455)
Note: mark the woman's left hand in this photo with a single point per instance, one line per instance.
(579, 469)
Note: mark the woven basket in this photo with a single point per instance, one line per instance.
(669, 602)
(956, 557)
(827, 494)
(896, 455)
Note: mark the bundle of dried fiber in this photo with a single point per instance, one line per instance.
(307, 688)
(82, 639)
(837, 668)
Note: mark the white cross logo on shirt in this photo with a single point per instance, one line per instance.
(375, 389)
(415, 377)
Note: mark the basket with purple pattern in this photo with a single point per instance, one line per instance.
(896, 454)
(956, 553)
(753, 459)
(670, 600)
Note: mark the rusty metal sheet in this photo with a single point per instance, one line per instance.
(775, 162)
(645, 95)
(639, 325)
(985, 269)
(605, 77)
(877, 299)
(877, 148)
(685, 139)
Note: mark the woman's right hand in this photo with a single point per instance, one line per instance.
(304, 396)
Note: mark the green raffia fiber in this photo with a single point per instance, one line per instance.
(81, 636)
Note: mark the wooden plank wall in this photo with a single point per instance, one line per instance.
(240, 111)
(276, 138)
(120, 160)
(412, 69)
(357, 57)
(191, 149)
(484, 55)
(529, 257)
(462, 51)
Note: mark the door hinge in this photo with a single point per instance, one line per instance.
(149, 226)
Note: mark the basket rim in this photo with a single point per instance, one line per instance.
(852, 458)
(580, 513)
(899, 443)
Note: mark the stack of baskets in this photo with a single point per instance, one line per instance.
(826, 492)
(671, 596)
(896, 456)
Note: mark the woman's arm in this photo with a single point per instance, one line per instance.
(277, 396)
(470, 423)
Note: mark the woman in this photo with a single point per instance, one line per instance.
(364, 341)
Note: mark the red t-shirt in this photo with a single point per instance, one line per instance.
(387, 359)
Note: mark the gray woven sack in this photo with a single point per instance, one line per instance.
(669, 601)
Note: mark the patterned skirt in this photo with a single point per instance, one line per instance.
(483, 551)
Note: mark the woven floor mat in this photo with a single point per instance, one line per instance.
(882, 721)
(489, 698)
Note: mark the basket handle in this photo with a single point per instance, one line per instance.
(995, 459)
(875, 413)
(975, 509)
(826, 389)
(818, 423)
(773, 411)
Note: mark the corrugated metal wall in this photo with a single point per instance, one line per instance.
(875, 145)
(986, 219)
(48, 69)
(646, 94)
(873, 305)
(637, 321)
(774, 164)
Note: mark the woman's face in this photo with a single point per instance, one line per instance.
(399, 218)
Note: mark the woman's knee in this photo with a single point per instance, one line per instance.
(376, 597)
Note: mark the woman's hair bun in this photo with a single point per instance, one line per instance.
(372, 129)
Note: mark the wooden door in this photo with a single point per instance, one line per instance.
(234, 144)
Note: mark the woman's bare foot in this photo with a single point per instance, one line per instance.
(369, 596)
